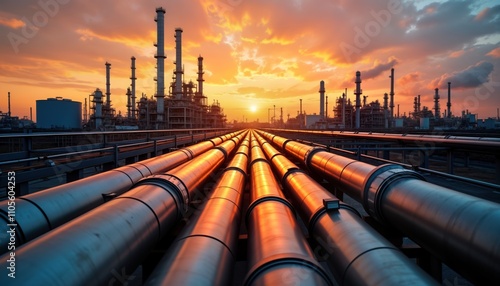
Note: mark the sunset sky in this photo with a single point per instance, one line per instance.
(257, 53)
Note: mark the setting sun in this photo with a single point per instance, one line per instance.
(253, 108)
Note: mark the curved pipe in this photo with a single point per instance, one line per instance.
(211, 237)
(277, 250)
(356, 253)
(461, 230)
(114, 237)
(42, 211)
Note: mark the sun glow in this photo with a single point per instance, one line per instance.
(253, 108)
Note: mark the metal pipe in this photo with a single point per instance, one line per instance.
(277, 250)
(42, 211)
(211, 236)
(371, 260)
(115, 236)
(461, 230)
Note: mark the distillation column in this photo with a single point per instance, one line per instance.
(178, 64)
(133, 79)
(358, 93)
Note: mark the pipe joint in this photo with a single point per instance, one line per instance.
(378, 181)
(284, 260)
(171, 184)
(310, 153)
(320, 211)
(224, 151)
(260, 200)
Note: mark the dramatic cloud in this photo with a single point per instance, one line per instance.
(255, 51)
(472, 76)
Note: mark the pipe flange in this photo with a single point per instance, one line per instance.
(224, 151)
(310, 153)
(289, 172)
(284, 143)
(378, 182)
(171, 184)
(284, 259)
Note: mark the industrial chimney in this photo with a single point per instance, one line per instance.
(436, 104)
(8, 102)
(322, 99)
(386, 111)
(418, 103)
(108, 90)
(358, 93)
(448, 105)
(178, 64)
(160, 66)
(200, 75)
(129, 103)
(392, 93)
(133, 78)
(98, 108)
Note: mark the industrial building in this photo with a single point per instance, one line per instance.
(58, 113)
(184, 106)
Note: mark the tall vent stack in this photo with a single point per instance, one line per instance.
(178, 63)
(448, 105)
(129, 103)
(358, 93)
(133, 78)
(8, 103)
(418, 103)
(200, 75)
(108, 90)
(160, 66)
(436, 104)
(391, 105)
(386, 110)
(322, 99)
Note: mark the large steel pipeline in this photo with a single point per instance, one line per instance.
(42, 211)
(461, 230)
(278, 252)
(210, 238)
(357, 254)
(114, 237)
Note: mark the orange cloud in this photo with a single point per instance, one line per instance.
(11, 23)
(495, 53)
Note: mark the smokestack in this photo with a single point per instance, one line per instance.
(398, 110)
(436, 104)
(358, 93)
(31, 113)
(200, 75)
(160, 66)
(133, 78)
(322, 99)
(129, 103)
(415, 106)
(418, 103)
(448, 112)
(98, 108)
(301, 106)
(8, 104)
(386, 110)
(326, 108)
(108, 90)
(178, 63)
(392, 93)
(343, 107)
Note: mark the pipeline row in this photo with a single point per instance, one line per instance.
(461, 230)
(115, 237)
(355, 252)
(43, 211)
(40, 212)
(211, 237)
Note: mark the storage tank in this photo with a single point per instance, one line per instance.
(58, 113)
